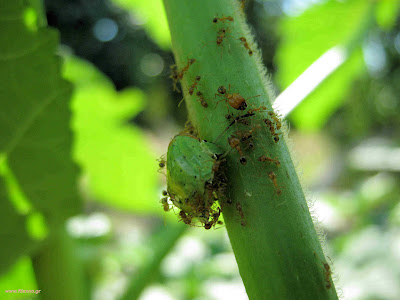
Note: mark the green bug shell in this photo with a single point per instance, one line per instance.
(189, 169)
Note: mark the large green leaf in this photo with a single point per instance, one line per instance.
(14, 238)
(306, 37)
(34, 124)
(114, 155)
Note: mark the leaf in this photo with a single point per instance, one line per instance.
(20, 276)
(153, 15)
(305, 38)
(114, 155)
(14, 239)
(386, 13)
(35, 116)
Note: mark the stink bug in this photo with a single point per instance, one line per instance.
(195, 178)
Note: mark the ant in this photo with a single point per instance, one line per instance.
(215, 217)
(241, 119)
(164, 202)
(240, 210)
(328, 274)
(274, 116)
(234, 142)
(272, 176)
(202, 101)
(265, 158)
(246, 45)
(223, 19)
(185, 218)
(235, 100)
(221, 35)
(174, 75)
(161, 164)
(269, 123)
(177, 75)
(237, 119)
(190, 62)
(193, 86)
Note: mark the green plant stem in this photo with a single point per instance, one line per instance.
(58, 270)
(278, 251)
(162, 244)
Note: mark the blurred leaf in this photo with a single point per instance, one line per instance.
(114, 155)
(153, 15)
(305, 38)
(14, 239)
(35, 115)
(387, 12)
(21, 276)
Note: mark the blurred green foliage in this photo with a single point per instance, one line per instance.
(36, 138)
(308, 36)
(151, 13)
(115, 156)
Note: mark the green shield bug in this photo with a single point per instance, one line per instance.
(195, 179)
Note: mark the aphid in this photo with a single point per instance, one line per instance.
(164, 193)
(265, 158)
(221, 35)
(235, 100)
(201, 99)
(164, 202)
(195, 177)
(234, 142)
(246, 45)
(223, 19)
(328, 274)
(240, 210)
(193, 86)
(272, 176)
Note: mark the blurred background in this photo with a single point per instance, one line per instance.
(345, 133)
